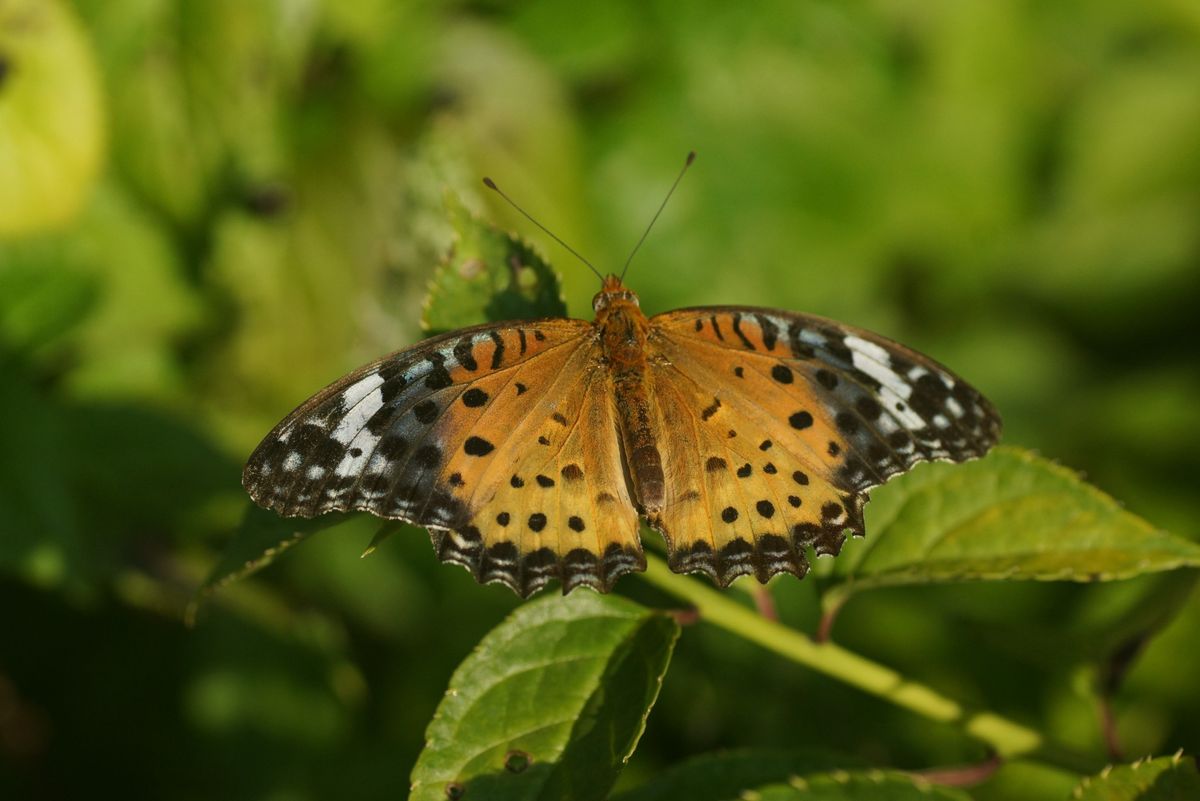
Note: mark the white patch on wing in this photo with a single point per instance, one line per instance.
(315, 472)
(364, 443)
(360, 389)
(810, 337)
(954, 407)
(875, 362)
(356, 418)
(292, 461)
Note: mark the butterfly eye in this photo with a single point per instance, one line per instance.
(599, 301)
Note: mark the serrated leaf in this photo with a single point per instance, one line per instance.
(551, 703)
(1011, 515)
(488, 275)
(1171, 778)
(859, 786)
(51, 119)
(725, 775)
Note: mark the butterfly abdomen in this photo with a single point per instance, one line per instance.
(623, 334)
(641, 449)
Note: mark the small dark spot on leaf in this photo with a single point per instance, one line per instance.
(516, 761)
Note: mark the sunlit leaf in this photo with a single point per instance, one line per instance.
(51, 115)
(550, 705)
(1171, 778)
(489, 275)
(721, 776)
(1011, 515)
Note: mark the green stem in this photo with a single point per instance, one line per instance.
(1008, 738)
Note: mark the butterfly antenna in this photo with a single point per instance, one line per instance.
(490, 184)
(691, 156)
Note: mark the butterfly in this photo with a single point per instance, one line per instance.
(530, 449)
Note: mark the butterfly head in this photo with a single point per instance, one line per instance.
(613, 292)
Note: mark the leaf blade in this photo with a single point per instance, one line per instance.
(566, 682)
(722, 775)
(1009, 516)
(1172, 778)
(487, 276)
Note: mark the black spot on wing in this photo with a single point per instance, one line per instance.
(474, 397)
(477, 446)
(498, 352)
(463, 352)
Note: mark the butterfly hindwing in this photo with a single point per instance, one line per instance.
(552, 501)
(434, 434)
(794, 418)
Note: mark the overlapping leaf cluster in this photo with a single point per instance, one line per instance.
(210, 209)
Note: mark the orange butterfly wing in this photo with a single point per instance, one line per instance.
(775, 424)
(500, 439)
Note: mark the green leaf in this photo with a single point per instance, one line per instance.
(39, 306)
(550, 705)
(1011, 515)
(51, 116)
(1172, 778)
(860, 786)
(719, 776)
(259, 540)
(488, 275)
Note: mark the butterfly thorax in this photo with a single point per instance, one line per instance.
(623, 333)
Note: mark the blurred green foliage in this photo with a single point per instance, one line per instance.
(1011, 187)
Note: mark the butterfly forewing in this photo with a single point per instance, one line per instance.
(437, 435)
(792, 419)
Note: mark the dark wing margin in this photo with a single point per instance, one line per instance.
(385, 438)
(855, 407)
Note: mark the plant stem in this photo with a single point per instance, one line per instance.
(1007, 738)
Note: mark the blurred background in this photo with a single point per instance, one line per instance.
(210, 209)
